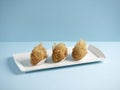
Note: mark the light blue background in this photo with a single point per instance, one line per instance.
(35, 20)
(95, 76)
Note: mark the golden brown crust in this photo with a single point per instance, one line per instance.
(59, 52)
(79, 50)
(38, 53)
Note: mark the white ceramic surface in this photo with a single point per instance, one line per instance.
(23, 59)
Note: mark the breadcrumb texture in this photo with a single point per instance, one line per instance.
(59, 52)
(38, 54)
(79, 50)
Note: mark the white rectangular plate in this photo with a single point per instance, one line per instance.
(23, 59)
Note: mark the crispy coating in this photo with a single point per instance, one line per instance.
(59, 52)
(38, 54)
(79, 50)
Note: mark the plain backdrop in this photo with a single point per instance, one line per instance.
(39, 20)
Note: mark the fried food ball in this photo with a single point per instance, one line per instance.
(59, 52)
(79, 50)
(38, 54)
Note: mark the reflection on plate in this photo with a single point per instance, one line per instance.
(23, 59)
